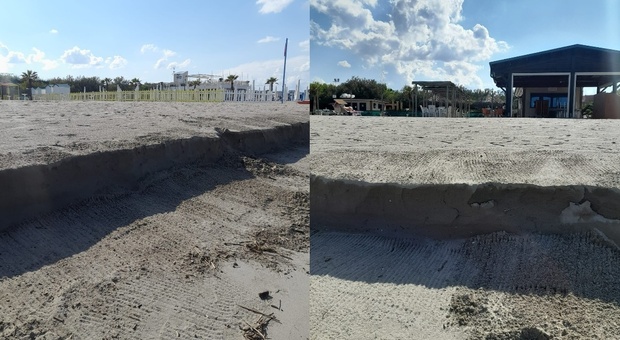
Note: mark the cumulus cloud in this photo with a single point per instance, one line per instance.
(267, 39)
(80, 58)
(305, 45)
(8, 56)
(161, 62)
(272, 6)
(53, 31)
(148, 47)
(116, 62)
(39, 57)
(419, 37)
(297, 68)
(344, 63)
(175, 64)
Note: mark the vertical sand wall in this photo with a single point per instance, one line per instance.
(461, 210)
(37, 189)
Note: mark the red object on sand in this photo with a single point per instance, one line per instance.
(303, 102)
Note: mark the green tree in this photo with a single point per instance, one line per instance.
(134, 82)
(321, 95)
(271, 81)
(195, 83)
(29, 77)
(363, 88)
(120, 81)
(231, 78)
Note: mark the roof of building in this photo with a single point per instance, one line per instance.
(569, 59)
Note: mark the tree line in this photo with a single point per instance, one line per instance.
(321, 94)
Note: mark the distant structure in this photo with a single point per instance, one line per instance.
(52, 89)
(181, 81)
(552, 82)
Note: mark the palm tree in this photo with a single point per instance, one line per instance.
(271, 81)
(119, 81)
(28, 77)
(195, 83)
(135, 82)
(231, 78)
(107, 82)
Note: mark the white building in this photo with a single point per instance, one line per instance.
(181, 80)
(50, 89)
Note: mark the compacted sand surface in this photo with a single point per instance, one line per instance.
(464, 228)
(45, 132)
(209, 246)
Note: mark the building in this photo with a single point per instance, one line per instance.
(551, 83)
(9, 91)
(52, 89)
(363, 104)
(181, 80)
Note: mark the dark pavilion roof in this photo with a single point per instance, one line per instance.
(574, 58)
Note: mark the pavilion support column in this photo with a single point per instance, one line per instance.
(447, 100)
(508, 104)
(571, 95)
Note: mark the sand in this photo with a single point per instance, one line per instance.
(464, 228)
(45, 132)
(182, 251)
(58, 153)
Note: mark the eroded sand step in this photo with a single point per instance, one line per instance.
(445, 211)
(36, 189)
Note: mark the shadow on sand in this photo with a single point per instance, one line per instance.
(583, 264)
(71, 230)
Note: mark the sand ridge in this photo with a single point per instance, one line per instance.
(40, 132)
(464, 228)
(173, 258)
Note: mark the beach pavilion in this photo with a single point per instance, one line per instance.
(443, 92)
(550, 83)
(8, 91)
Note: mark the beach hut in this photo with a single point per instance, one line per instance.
(9, 91)
(552, 81)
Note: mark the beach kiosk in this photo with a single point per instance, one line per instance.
(552, 81)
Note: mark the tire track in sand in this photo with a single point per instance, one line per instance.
(365, 286)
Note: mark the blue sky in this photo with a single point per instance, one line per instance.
(404, 40)
(146, 39)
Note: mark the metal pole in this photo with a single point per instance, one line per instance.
(284, 73)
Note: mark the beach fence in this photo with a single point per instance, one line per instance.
(198, 95)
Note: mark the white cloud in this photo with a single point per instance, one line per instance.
(297, 68)
(148, 47)
(344, 63)
(305, 45)
(8, 57)
(116, 62)
(14, 57)
(80, 58)
(183, 64)
(169, 53)
(39, 57)
(420, 37)
(160, 63)
(53, 31)
(267, 39)
(272, 6)
(305, 67)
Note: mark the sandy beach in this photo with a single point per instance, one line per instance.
(182, 252)
(464, 228)
(45, 132)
